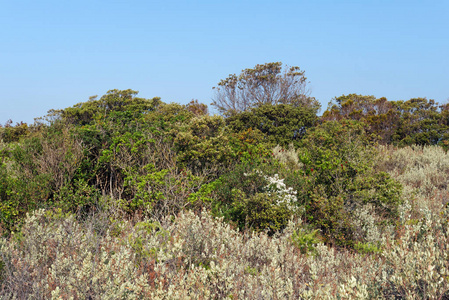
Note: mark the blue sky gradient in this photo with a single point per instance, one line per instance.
(54, 54)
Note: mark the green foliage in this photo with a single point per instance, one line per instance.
(280, 124)
(76, 197)
(305, 241)
(379, 189)
(10, 134)
(261, 212)
(250, 199)
(207, 145)
(142, 230)
(329, 214)
(156, 159)
(242, 178)
(251, 271)
(415, 121)
(204, 143)
(421, 123)
(145, 187)
(22, 187)
(338, 164)
(57, 214)
(113, 101)
(330, 176)
(205, 194)
(367, 248)
(230, 196)
(379, 116)
(119, 145)
(334, 153)
(36, 169)
(137, 151)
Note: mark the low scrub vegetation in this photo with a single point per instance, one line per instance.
(122, 197)
(194, 256)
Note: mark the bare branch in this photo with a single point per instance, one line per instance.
(269, 83)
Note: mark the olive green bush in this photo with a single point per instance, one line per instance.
(333, 186)
(418, 121)
(280, 124)
(119, 145)
(205, 144)
(34, 170)
(338, 179)
(10, 133)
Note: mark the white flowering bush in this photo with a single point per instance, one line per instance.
(268, 207)
(282, 194)
(250, 199)
(278, 191)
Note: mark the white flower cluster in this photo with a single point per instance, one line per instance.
(277, 189)
(284, 195)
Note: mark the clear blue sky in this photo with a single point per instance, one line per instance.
(54, 54)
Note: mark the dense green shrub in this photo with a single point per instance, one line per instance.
(118, 145)
(76, 197)
(251, 198)
(204, 144)
(92, 111)
(280, 124)
(232, 190)
(305, 241)
(331, 182)
(417, 121)
(338, 164)
(10, 133)
(23, 187)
